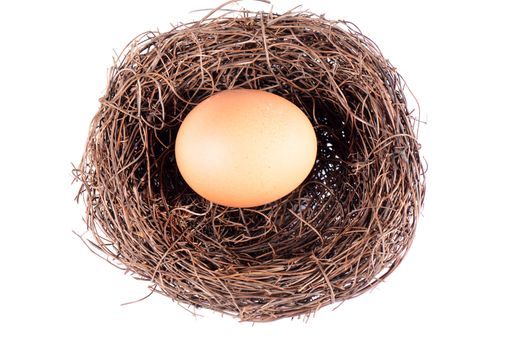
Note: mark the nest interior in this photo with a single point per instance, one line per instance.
(342, 231)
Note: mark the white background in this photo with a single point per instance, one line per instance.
(460, 285)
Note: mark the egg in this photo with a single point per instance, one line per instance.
(245, 148)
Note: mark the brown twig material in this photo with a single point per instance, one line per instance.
(345, 229)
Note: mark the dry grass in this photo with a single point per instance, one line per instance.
(345, 229)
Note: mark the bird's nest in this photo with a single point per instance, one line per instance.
(340, 233)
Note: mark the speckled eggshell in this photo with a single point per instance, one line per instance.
(245, 148)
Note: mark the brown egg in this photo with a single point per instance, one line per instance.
(244, 148)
